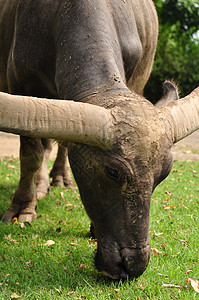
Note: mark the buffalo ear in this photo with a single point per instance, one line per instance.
(183, 115)
(170, 93)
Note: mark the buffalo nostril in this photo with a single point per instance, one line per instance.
(121, 264)
(135, 261)
(108, 261)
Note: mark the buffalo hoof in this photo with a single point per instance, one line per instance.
(25, 215)
(42, 193)
(27, 218)
(60, 180)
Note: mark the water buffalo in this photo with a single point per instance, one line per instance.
(98, 53)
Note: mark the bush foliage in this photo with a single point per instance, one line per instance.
(177, 54)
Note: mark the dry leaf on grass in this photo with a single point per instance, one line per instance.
(81, 266)
(70, 293)
(188, 271)
(68, 205)
(62, 195)
(58, 291)
(169, 285)
(74, 244)
(29, 264)
(9, 238)
(14, 296)
(183, 206)
(183, 241)
(158, 233)
(155, 251)
(194, 284)
(12, 167)
(117, 291)
(169, 206)
(22, 225)
(49, 243)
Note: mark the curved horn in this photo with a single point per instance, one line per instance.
(56, 119)
(184, 114)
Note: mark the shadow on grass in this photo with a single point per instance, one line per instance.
(6, 193)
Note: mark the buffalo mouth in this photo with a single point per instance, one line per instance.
(124, 263)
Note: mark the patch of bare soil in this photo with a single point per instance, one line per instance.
(187, 149)
(9, 146)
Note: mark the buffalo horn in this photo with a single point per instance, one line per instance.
(56, 119)
(184, 115)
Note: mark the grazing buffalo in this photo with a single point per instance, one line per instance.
(99, 54)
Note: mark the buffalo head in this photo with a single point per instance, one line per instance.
(119, 152)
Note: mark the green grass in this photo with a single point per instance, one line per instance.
(66, 270)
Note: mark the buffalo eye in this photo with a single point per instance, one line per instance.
(111, 173)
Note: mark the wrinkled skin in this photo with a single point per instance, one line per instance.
(97, 52)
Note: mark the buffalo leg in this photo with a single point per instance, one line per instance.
(42, 179)
(61, 169)
(24, 201)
